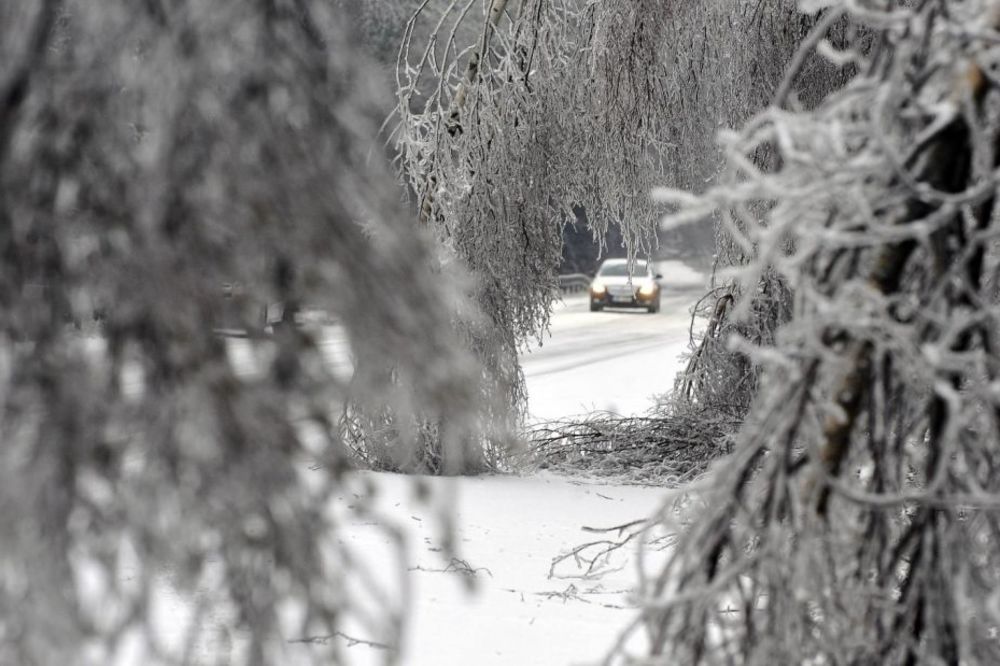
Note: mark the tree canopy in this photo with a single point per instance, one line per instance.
(151, 153)
(855, 521)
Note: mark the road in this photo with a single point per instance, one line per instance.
(614, 360)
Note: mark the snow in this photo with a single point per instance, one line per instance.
(519, 610)
(509, 529)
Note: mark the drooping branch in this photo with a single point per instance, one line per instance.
(471, 76)
(944, 165)
(863, 486)
(151, 154)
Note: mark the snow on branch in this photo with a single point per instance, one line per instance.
(855, 520)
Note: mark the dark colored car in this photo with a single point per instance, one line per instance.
(617, 287)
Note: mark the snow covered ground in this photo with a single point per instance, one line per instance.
(523, 610)
(509, 529)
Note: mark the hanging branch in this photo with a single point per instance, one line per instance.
(856, 519)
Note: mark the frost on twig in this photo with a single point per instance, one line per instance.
(159, 163)
(855, 520)
(666, 449)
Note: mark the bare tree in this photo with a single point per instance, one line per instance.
(855, 521)
(150, 152)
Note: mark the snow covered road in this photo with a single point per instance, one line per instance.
(615, 360)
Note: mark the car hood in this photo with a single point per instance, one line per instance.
(620, 281)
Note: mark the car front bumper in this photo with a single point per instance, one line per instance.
(636, 300)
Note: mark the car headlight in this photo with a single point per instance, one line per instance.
(648, 289)
(597, 288)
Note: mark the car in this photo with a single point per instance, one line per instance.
(619, 284)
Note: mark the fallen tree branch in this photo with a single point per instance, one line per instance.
(670, 449)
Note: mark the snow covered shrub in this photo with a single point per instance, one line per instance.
(856, 520)
(151, 153)
(724, 82)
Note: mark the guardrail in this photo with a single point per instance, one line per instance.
(574, 282)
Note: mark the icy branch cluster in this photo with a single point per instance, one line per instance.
(158, 161)
(553, 104)
(513, 112)
(856, 520)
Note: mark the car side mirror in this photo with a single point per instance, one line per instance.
(658, 276)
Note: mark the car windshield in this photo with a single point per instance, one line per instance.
(621, 269)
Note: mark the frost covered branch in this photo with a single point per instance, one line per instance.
(151, 153)
(547, 106)
(855, 521)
